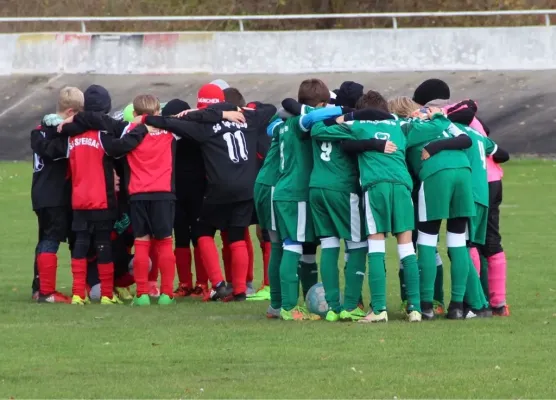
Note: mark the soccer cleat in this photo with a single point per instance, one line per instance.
(427, 311)
(183, 291)
(234, 297)
(154, 291)
(403, 307)
(332, 316)
(35, 295)
(221, 291)
(297, 314)
(55, 297)
(200, 290)
(373, 318)
(503, 311)
(309, 315)
(124, 293)
(438, 308)
(78, 300)
(143, 300)
(455, 311)
(250, 290)
(272, 313)
(105, 300)
(414, 316)
(165, 300)
(262, 294)
(353, 315)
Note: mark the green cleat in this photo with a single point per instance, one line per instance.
(261, 294)
(332, 316)
(353, 315)
(143, 300)
(165, 300)
(105, 300)
(298, 314)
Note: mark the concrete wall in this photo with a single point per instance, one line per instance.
(523, 48)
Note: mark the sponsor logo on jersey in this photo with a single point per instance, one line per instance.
(85, 141)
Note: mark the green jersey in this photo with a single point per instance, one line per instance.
(296, 161)
(481, 148)
(374, 166)
(419, 134)
(270, 172)
(332, 168)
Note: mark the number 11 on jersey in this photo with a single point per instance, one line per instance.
(237, 147)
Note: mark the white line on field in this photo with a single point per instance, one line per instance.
(23, 100)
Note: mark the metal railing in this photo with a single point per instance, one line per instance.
(241, 18)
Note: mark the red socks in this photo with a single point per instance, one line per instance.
(226, 256)
(240, 265)
(79, 272)
(106, 277)
(183, 264)
(153, 273)
(266, 247)
(166, 264)
(200, 271)
(141, 266)
(250, 255)
(210, 259)
(47, 264)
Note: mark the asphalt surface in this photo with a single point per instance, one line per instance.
(519, 107)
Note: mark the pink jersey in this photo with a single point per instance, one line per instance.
(494, 170)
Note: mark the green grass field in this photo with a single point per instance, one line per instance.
(199, 350)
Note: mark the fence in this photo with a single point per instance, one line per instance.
(241, 18)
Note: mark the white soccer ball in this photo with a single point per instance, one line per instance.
(130, 265)
(316, 301)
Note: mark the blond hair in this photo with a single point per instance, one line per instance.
(146, 104)
(70, 98)
(402, 106)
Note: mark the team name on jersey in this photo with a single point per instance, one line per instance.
(386, 122)
(158, 132)
(84, 142)
(218, 127)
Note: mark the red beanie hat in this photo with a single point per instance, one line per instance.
(209, 94)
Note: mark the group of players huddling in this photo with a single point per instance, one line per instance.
(329, 166)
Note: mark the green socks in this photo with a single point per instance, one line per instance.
(329, 272)
(288, 276)
(401, 277)
(439, 280)
(484, 275)
(377, 275)
(406, 253)
(274, 275)
(427, 266)
(459, 257)
(474, 295)
(354, 276)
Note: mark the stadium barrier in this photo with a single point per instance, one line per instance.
(424, 49)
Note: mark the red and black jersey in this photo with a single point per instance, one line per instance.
(229, 150)
(151, 166)
(90, 155)
(51, 185)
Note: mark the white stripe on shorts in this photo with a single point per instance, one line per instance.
(422, 204)
(301, 220)
(272, 218)
(371, 224)
(355, 217)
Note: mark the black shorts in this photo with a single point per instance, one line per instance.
(54, 223)
(228, 215)
(82, 222)
(153, 218)
(188, 211)
(254, 218)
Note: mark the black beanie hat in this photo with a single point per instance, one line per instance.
(97, 99)
(431, 89)
(348, 94)
(174, 106)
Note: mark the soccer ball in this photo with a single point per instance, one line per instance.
(315, 300)
(130, 266)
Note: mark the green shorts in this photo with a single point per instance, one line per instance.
(478, 225)
(388, 209)
(263, 206)
(294, 221)
(336, 214)
(446, 194)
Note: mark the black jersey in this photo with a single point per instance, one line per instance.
(229, 151)
(51, 185)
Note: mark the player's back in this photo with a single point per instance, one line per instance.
(296, 162)
(151, 163)
(377, 166)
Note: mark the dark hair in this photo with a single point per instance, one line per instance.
(312, 92)
(234, 96)
(372, 99)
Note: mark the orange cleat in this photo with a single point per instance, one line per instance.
(183, 291)
(503, 311)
